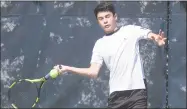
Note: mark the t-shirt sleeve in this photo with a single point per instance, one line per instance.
(97, 53)
(140, 32)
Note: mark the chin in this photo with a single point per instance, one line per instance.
(109, 30)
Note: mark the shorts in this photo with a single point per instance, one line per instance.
(128, 99)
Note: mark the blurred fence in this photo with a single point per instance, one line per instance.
(37, 35)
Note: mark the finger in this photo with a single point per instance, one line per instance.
(163, 43)
(55, 67)
(159, 43)
(164, 39)
(60, 66)
(162, 34)
(160, 37)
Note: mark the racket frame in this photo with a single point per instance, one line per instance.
(33, 81)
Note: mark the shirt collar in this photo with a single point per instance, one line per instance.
(113, 32)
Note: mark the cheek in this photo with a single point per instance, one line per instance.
(111, 21)
(101, 24)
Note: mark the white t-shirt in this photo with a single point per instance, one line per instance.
(120, 52)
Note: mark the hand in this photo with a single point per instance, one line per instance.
(61, 68)
(162, 38)
(159, 38)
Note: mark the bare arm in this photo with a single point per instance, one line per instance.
(146, 33)
(91, 72)
(94, 68)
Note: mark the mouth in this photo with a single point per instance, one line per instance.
(107, 26)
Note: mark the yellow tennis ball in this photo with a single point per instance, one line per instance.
(54, 73)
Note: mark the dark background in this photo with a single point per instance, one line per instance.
(37, 35)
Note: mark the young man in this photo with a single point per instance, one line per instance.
(119, 49)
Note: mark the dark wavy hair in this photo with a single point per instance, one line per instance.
(104, 6)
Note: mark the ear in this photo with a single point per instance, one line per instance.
(98, 22)
(115, 16)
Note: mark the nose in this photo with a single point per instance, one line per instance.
(105, 20)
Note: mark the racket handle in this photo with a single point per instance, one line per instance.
(47, 76)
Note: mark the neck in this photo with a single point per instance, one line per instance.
(115, 29)
(111, 32)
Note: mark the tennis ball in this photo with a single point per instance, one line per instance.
(53, 73)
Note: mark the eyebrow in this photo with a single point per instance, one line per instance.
(104, 16)
(107, 15)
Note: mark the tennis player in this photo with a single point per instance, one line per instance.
(119, 50)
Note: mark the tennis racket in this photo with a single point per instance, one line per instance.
(24, 93)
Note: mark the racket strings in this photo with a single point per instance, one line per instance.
(23, 94)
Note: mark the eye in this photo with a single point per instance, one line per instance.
(107, 16)
(100, 18)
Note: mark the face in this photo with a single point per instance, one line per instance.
(107, 21)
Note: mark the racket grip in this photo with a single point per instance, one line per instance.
(47, 76)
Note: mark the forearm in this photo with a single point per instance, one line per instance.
(82, 71)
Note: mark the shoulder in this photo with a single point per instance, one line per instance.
(127, 31)
(132, 27)
(98, 46)
(127, 27)
(98, 43)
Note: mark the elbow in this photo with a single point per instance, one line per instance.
(93, 75)
(93, 71)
